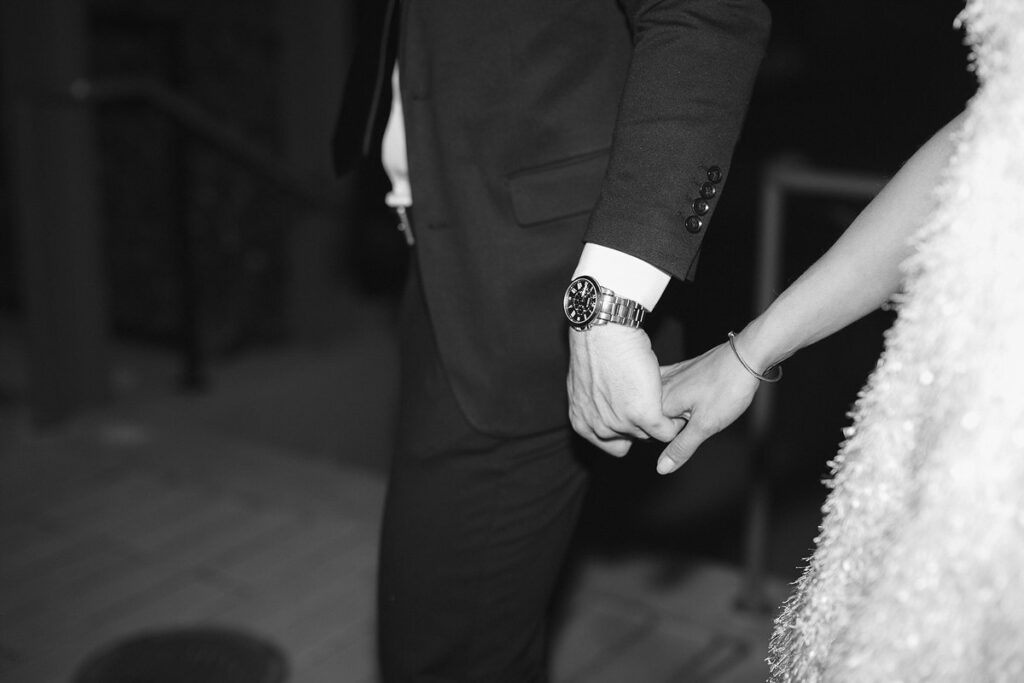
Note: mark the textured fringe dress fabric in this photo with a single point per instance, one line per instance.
(918, 571)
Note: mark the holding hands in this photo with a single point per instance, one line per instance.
(712, 390)
(617, 393)
(615, 389)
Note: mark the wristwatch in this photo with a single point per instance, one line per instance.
(587, 303)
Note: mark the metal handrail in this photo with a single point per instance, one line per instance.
(196, 121)
(193, 117)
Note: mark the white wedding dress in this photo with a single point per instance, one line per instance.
(918, 574)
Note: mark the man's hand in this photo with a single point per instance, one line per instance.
(615, 388)
(711, 390)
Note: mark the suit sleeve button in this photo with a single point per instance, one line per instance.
(693, 224)
(701, 207)
(714, 174)
(708, 190)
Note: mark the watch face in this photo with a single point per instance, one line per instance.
(580, 302)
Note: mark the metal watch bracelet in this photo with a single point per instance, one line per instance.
(618, 310)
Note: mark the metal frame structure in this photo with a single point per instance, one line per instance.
(779, 182)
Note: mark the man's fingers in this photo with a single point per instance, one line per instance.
(632, 432)
(662, 428)
(610, 442)
(617, 447)
(679, 423)
(680, 450)
(677, 401)
(635, 425)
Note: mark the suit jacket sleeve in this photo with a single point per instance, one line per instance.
(693, 68)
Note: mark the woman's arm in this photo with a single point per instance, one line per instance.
(860, 271)
(854, 277)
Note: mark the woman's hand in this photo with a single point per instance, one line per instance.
(709, 391)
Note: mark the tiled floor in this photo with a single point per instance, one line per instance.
(118, 527)
(121, 525)
(167, 510)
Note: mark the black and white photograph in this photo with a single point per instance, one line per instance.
(518, 341)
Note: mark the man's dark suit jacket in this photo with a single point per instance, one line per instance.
(535, 124)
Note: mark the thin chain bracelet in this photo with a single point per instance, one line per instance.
(763, 377)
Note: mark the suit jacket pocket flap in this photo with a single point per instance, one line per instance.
(558, 189)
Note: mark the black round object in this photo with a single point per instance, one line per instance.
(199, 655)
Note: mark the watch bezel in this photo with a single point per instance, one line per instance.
(568, 304)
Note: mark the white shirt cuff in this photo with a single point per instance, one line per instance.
(624, 274)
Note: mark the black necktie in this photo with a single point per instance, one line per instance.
(366, 101)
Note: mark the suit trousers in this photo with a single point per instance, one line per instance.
(475, 531)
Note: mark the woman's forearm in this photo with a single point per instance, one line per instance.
(861, 270)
